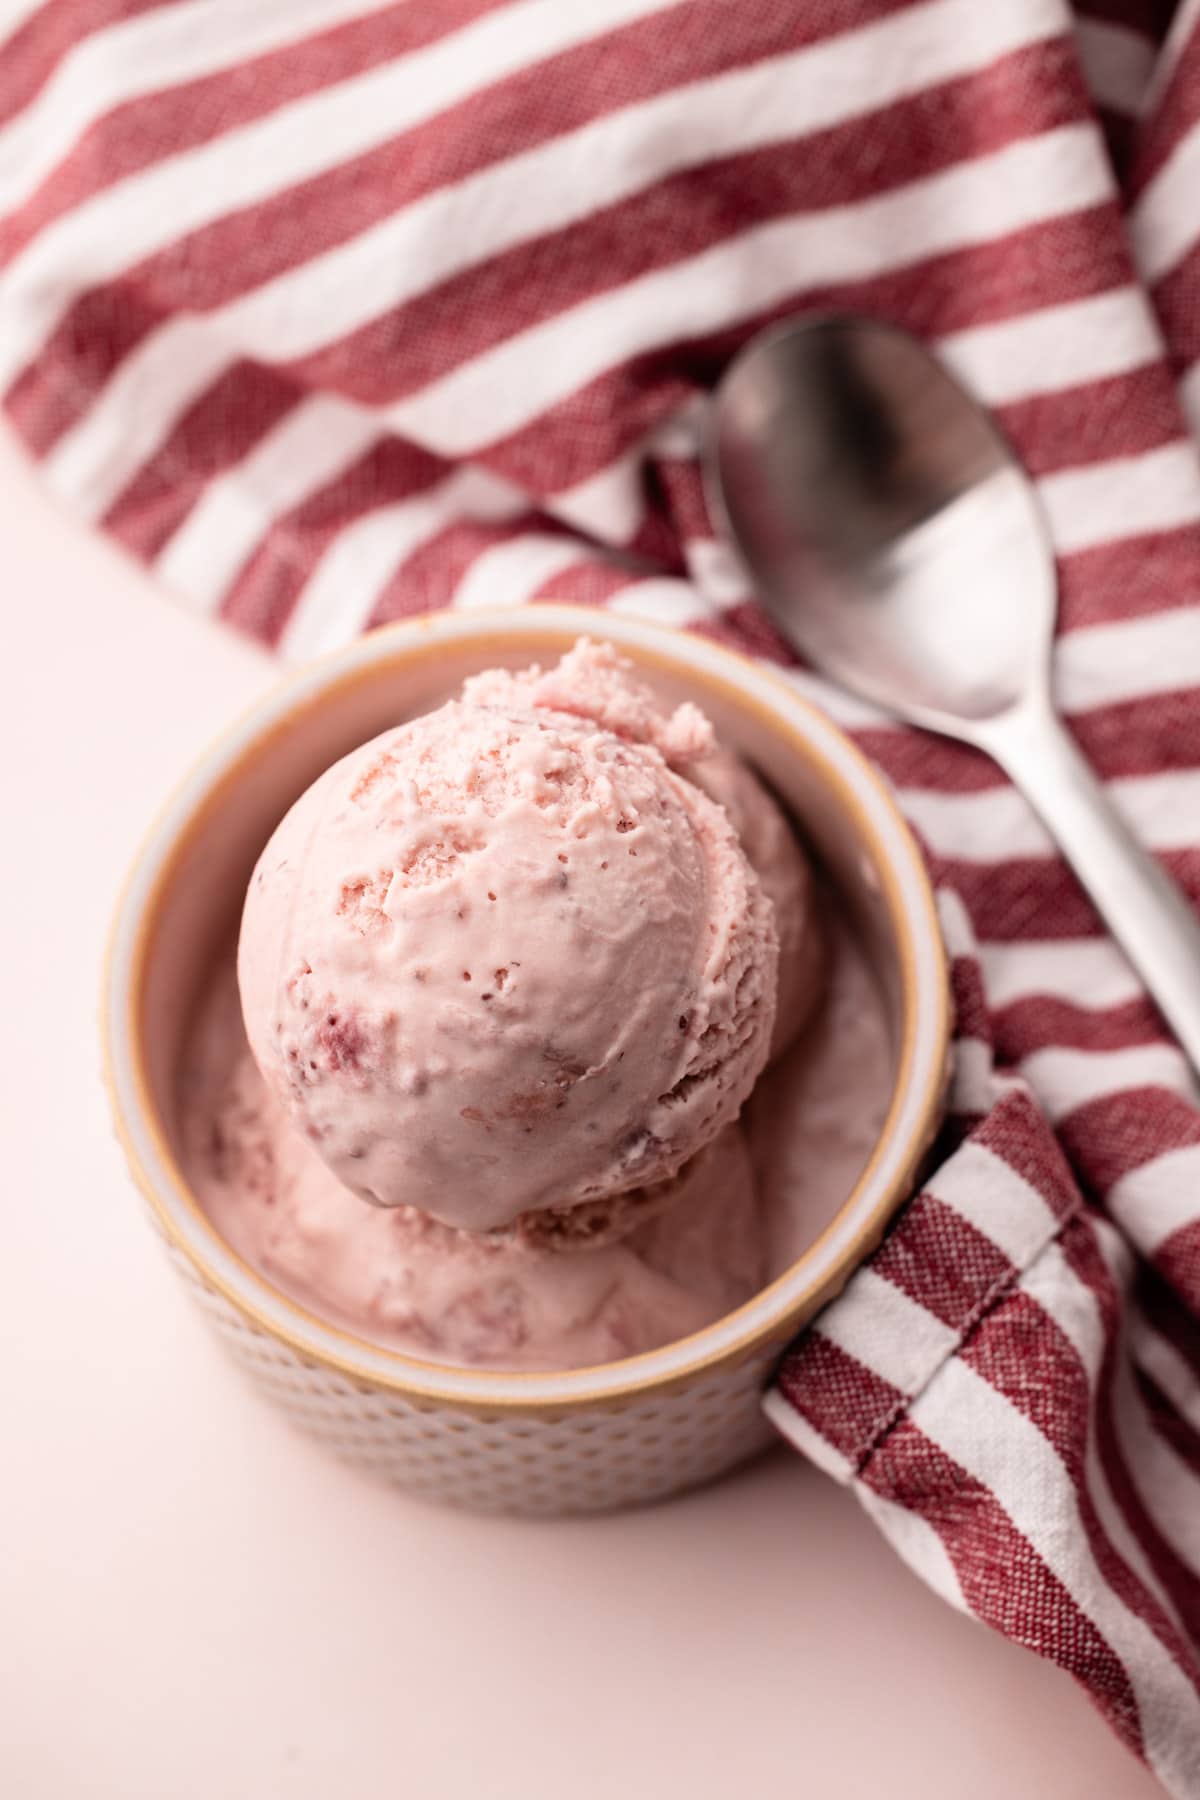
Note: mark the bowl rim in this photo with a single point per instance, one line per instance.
(768, 1319)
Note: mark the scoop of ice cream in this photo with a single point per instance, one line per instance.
(524, 1299)
(767, 837)
(507, 956)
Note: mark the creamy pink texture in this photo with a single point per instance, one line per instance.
(594, 682)
(786, 875)
(816, 1113)
(503, 958)
(543, 1299)
(400, 1278)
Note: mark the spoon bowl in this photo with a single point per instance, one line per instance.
(887, 523)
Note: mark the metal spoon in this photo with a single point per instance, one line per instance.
(898, 543)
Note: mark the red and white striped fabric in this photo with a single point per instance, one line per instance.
(334, 310)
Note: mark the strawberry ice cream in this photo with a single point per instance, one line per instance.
(512, 970)
(508, 956)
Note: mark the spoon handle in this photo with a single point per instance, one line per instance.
(1144, 909)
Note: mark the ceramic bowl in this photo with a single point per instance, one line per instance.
(627, 1431)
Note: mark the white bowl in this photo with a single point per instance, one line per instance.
(537, 1442)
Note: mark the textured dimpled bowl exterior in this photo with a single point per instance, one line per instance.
(582, 1439)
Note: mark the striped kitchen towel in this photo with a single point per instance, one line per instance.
(336, 310)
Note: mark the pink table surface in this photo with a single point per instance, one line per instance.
(195, 1602)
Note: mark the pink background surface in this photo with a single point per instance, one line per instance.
(195, 1602)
